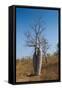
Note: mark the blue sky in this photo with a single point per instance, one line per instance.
(26, 17)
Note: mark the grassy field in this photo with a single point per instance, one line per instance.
(49, 71)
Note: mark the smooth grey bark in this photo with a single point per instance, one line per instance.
(37, 62)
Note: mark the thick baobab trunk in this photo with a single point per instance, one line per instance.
(37, 62)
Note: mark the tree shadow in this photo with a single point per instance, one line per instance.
(30, 75)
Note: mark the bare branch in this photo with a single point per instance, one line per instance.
(34, 38)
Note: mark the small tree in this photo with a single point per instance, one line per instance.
(45, 48)
(57, 50)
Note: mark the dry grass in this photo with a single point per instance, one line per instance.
(49, 71)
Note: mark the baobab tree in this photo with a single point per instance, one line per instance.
(35, 39)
